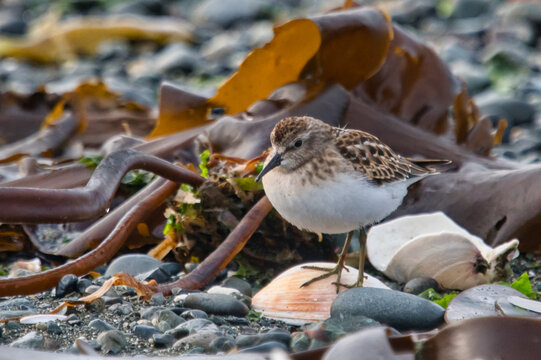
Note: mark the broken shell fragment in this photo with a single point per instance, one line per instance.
(432, 245)
(284, 299)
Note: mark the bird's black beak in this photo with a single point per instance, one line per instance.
(275, 161)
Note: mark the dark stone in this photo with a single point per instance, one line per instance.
(157, 299)
(16, 304)
(222, 343)
(236, 283)
(145, 331)
(201, 339)
(170, 318)
(53, 328)
(15, 27)
(394, 308)
(470, 8)
(140, 7)
(82, 284)
(163, 340)
(265, 347)
(216, 304)
(420, 284)
(178, 333)
(198, 325)
(101, 325)
(171, 268)
(66, 285)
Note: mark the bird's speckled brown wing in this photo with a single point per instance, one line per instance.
(377, 161)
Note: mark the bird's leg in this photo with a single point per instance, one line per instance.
(335, 270)
(362, 257)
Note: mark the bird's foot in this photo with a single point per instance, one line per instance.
(327, 272)
(358, 283)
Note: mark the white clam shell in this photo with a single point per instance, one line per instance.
(283, 298)
(432, 245)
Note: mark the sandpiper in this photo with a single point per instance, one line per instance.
(331, 180)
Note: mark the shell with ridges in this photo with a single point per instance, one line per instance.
(284, 299)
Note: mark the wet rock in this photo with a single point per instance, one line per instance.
(133, 264)
(112, 341)
(6, 314)
(194, 314)
(222, 343)
(145, 331)
(174, 58)
(178, 333)
(13, 26)
(470, 8)
(171, 268)
(394, 308)
(420, 284)
(140, 7)
(163, 340)
(517, 112)
(275, 335)
(246, 300)
(157, 299)
(265, 347)
(200, 339)
(169, 317)
(32, 340)
(198, 325)
(239, 284)
(121, 309)
(82, 285)
(150, 312)
(53, 328)
(300, 342)
(101, 325)
(66, 285)
(13, 325)
(227, 12)
(216, 304)
(475, 76)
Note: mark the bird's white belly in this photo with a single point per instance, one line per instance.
(342, 204)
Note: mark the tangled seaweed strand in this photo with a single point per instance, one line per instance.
(33, 205)
(223, 254)
(159, 191)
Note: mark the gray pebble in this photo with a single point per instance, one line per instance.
(170, 318)
(222, 343)
(420, 284)
(216, 304)
(66, 285)
(101, 325)
(241, 285)
(200, 339)
(53, 328)
(265, 347)
(198, 325)
(194, 314)
(157, 299)
(32, 340)
(112, 341)
(133, 264)
(145, 331)
(163, 340)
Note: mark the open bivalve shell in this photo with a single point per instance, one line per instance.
(432, 245)
(284, 299)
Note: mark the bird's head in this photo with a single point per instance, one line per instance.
(296, 140)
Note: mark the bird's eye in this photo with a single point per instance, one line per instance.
(298, 143)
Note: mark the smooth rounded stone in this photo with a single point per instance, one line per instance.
(194, 314)
(420, 284)
(470, 8)
(218, 320)
(111, 300)
(178, 333)
(53, 328)
(246, 300)
(394, 308)
(163, 340)
(157, 275)
(121, 309)
(101, 325)
(265, 347)
(93, 288)
(227, 12)
(13, 325)
(216, 304)
(235, 320)
(200, 339)
(276, 335)
(157, 299)
(66, 285)
(222, 343)
(198, 325)
(7, 314)
(13, 26)
(170, 318)
(176, 57)
(112, 341)
(32, 340)
(82, 285)
(133, 264)
(239, 284)
(171, 268)
(476, 76)
(145, 331)
(516, 111)
(162, 326)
